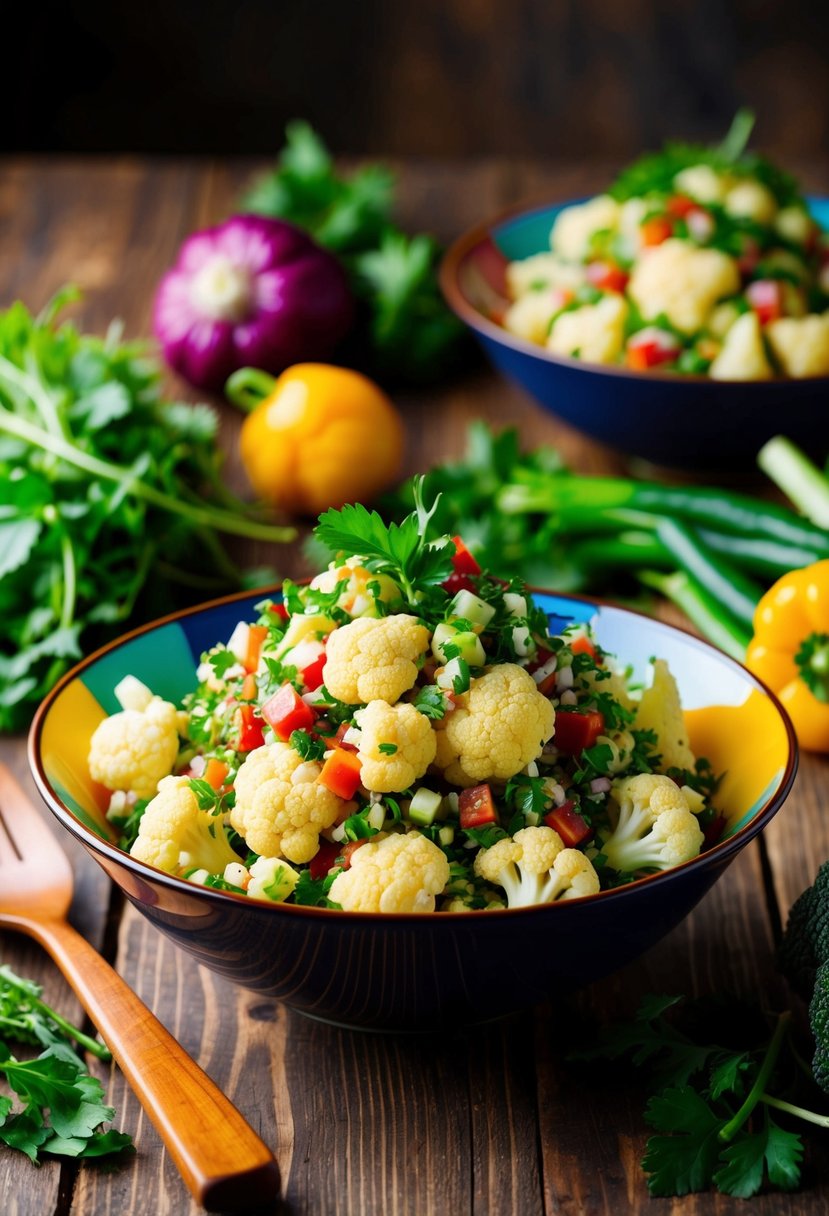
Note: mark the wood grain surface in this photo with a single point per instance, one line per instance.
(489, 1122)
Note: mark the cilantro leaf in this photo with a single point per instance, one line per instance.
(686, 1160)
(430, 702)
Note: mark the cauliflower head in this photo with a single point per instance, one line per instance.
(530, 316)
(534, 867)
(496, 729)
(595, 332)
(398, 873)
(654, 828)
(402, 728)
(375, 660)
(574, 226)
(133, 749)
(175, 834)
(682, 281)
(801, 344)
(743, 355)
(660, 710)
(281, 807)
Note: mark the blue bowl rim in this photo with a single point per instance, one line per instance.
(719, 852)
(467, 242)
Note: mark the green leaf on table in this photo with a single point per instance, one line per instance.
(684, 1160)
(771, 1150)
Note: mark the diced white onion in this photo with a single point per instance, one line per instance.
(568, 697)
(564, 678)
(198, 765)
(546, 669)
(377, 816)
(238, 641)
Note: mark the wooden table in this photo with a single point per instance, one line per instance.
(491, 1121)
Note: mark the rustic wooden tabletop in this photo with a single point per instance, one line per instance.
(490, 1121)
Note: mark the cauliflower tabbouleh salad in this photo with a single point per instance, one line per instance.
(404, 734)
(697, 261)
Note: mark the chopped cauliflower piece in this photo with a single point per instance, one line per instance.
(175, 834)
(496, 728)
(595, 332)
(574, 226)
(397, 745)
(660, 710)
(531, 275)
(751, 200)
(743, 355)
(375, 660)
(801, 344)
(682, 281)
(272, 878)
(530, 316)
(363, 591)
(133, 749)
(702, 183)
(396, 873)
(281, 807)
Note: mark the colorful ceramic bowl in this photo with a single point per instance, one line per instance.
(407, 972)
(678, 421)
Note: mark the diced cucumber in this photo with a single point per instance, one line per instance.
(446, 834)
(471, 608)
(424, 806)
(454, 677)
(467, 645)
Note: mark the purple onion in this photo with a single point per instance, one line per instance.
(251, 292)
(600, 785)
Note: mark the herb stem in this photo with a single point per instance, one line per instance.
(205, 517)
(756, 1093)
(799, 1112)
(70, 581)
(34, 390)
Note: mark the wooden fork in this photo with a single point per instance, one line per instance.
(221, 1159)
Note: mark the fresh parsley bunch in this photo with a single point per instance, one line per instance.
(407, 333)
(719, 1073)
(111, 500)
(60, 1107)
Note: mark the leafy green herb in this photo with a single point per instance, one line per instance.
(26, 1018)
(387, 749)
(307, 746)
(111, 502)
(408, 334)
(209, 799)
(431, 702)
(313, 892)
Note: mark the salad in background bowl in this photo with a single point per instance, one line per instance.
(307, 812)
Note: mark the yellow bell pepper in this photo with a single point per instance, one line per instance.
(790, 650)
(317, 437)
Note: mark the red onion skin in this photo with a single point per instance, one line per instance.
(300, 305)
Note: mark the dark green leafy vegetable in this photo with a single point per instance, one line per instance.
(62, 1109)
(407, 333)
(111, 502)
(804, 960)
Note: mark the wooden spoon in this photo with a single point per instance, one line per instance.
(221, 1159)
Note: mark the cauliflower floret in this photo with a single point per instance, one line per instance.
(794, 224)
(363, 588)
(534, 867)
(281, 807)
(408, 740)
(496, 728)
(660, 710)
(272, 878)
(375, 660)
(594, 332)
(752, 200)
(801, 344)
(682, 281)
(175, 834)
(398, 873)
(654, 827)
(530, 316)
(528, 275)
(133, 749)
(743, 355)
(701, 183)
(574, 226)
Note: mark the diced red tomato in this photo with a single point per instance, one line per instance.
(713, 831)
(322, 862)
(575, 731)
(349, 850)
(312, 674)
(569, 824)
(249, 689)
(476, 807)
(250, 729)
(256, 636)
(548, 685)
(341, 773)
(338, 739)
(750, 255)
(215, 772)
(607, 276)
(656, 230)
(766, 298)
(650, 347)
(679, 205)
(583, 645)
(463, 562)
(458, 582)
(542, 656)
(280, 611)
(286, 712)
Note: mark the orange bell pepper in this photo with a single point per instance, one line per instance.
(790, 650)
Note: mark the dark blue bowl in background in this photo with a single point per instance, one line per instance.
(688, 422)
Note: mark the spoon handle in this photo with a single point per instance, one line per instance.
(221, 1159)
